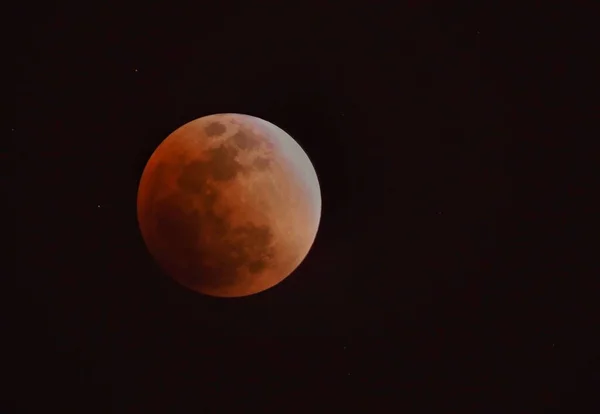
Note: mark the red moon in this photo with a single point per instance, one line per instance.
(229, 205)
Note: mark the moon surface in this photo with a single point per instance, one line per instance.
(229, 205)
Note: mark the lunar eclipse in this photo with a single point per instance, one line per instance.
(229, 205)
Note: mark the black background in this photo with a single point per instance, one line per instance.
(444, 275)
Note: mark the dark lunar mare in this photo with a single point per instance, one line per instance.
(217, 263)
(215, 129)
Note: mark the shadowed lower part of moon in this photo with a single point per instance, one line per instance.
(204, 250)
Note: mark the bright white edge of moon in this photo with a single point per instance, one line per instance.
(292, 152)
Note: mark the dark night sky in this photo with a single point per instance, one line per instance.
(442, 276)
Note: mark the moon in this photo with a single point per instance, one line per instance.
(229, 205)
